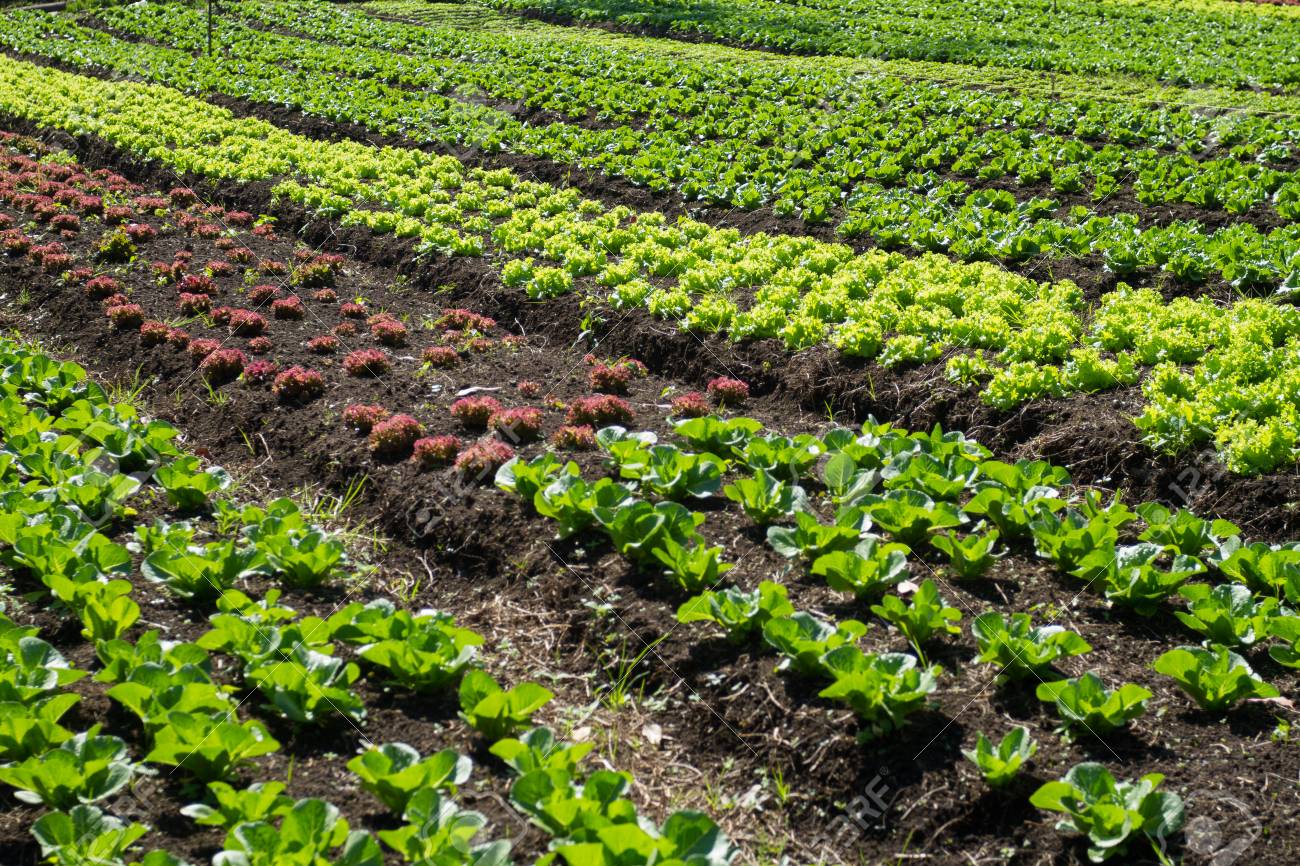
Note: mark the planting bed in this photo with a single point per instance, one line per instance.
(665, 511)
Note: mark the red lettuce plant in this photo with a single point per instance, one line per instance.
(154, 332)
(481, 459)
(246, 323)
(363, 417)
(98, 288)
(298, 384)
(475, 411)
(259, 345)
(263, 294)
(222, 366)
(126, 316)
(260, 372)
(434, 451)
(609, 380)
(459, 319)
(326, 344)
(519, 425)
(727, 391)
(388, 332)
(288, 308)
(367, 362)
(570, 437)
(395, 436)
(692, 404)
(599, 410)
(193, 304)
(201, 348)
(440, 356)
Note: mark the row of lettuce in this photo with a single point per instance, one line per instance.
(736, 133)
(1201, 42)
(889, 171)
(868, 511)
(307, 670)
(1220, 375)
(76, 470)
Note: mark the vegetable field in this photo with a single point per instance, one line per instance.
(579, 433)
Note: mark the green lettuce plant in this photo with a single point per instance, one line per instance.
(999, 765)
(1110, 813)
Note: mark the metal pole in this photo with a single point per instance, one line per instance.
(209, 28)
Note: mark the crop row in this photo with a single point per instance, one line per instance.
(1220, 374)
(897, 184)
(1204, 42)
(856, 507)
(796, 136)
(72, 468)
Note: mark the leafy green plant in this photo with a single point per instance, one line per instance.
(1012, 511)
(1262, 568)
(424, 651)
(1228, 614)
(637, 530)
(30, 730)
(574, 504)
(741, 614)
(910, 516)
(260, 801)
(211, 748)
(810, 538)
(882, 689)
(942, 479)
(691, 568)
(563, 807)
(726, 437)
(1182, 531)
(83, 769)
(84, 834)
(1085, 705)
(803, 640)
(1216, 677)
(29, 667)
(152, 694)
(869, 569)
(1067, 539)
(1111, 813)
(783, 457)
(1287, 629)
(1130, 575)
(676, 474)
(394, 772)
(971, 556)
(188, 486)
(539, 749)
(1000, 765)
(495, 712)
(438, 831)
(299, 554)
(201, 573)
(765, 498)
(106, 608)
(1021, 649)
(920, 619)
(308, 835)
(308, 686)
(528, 479)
